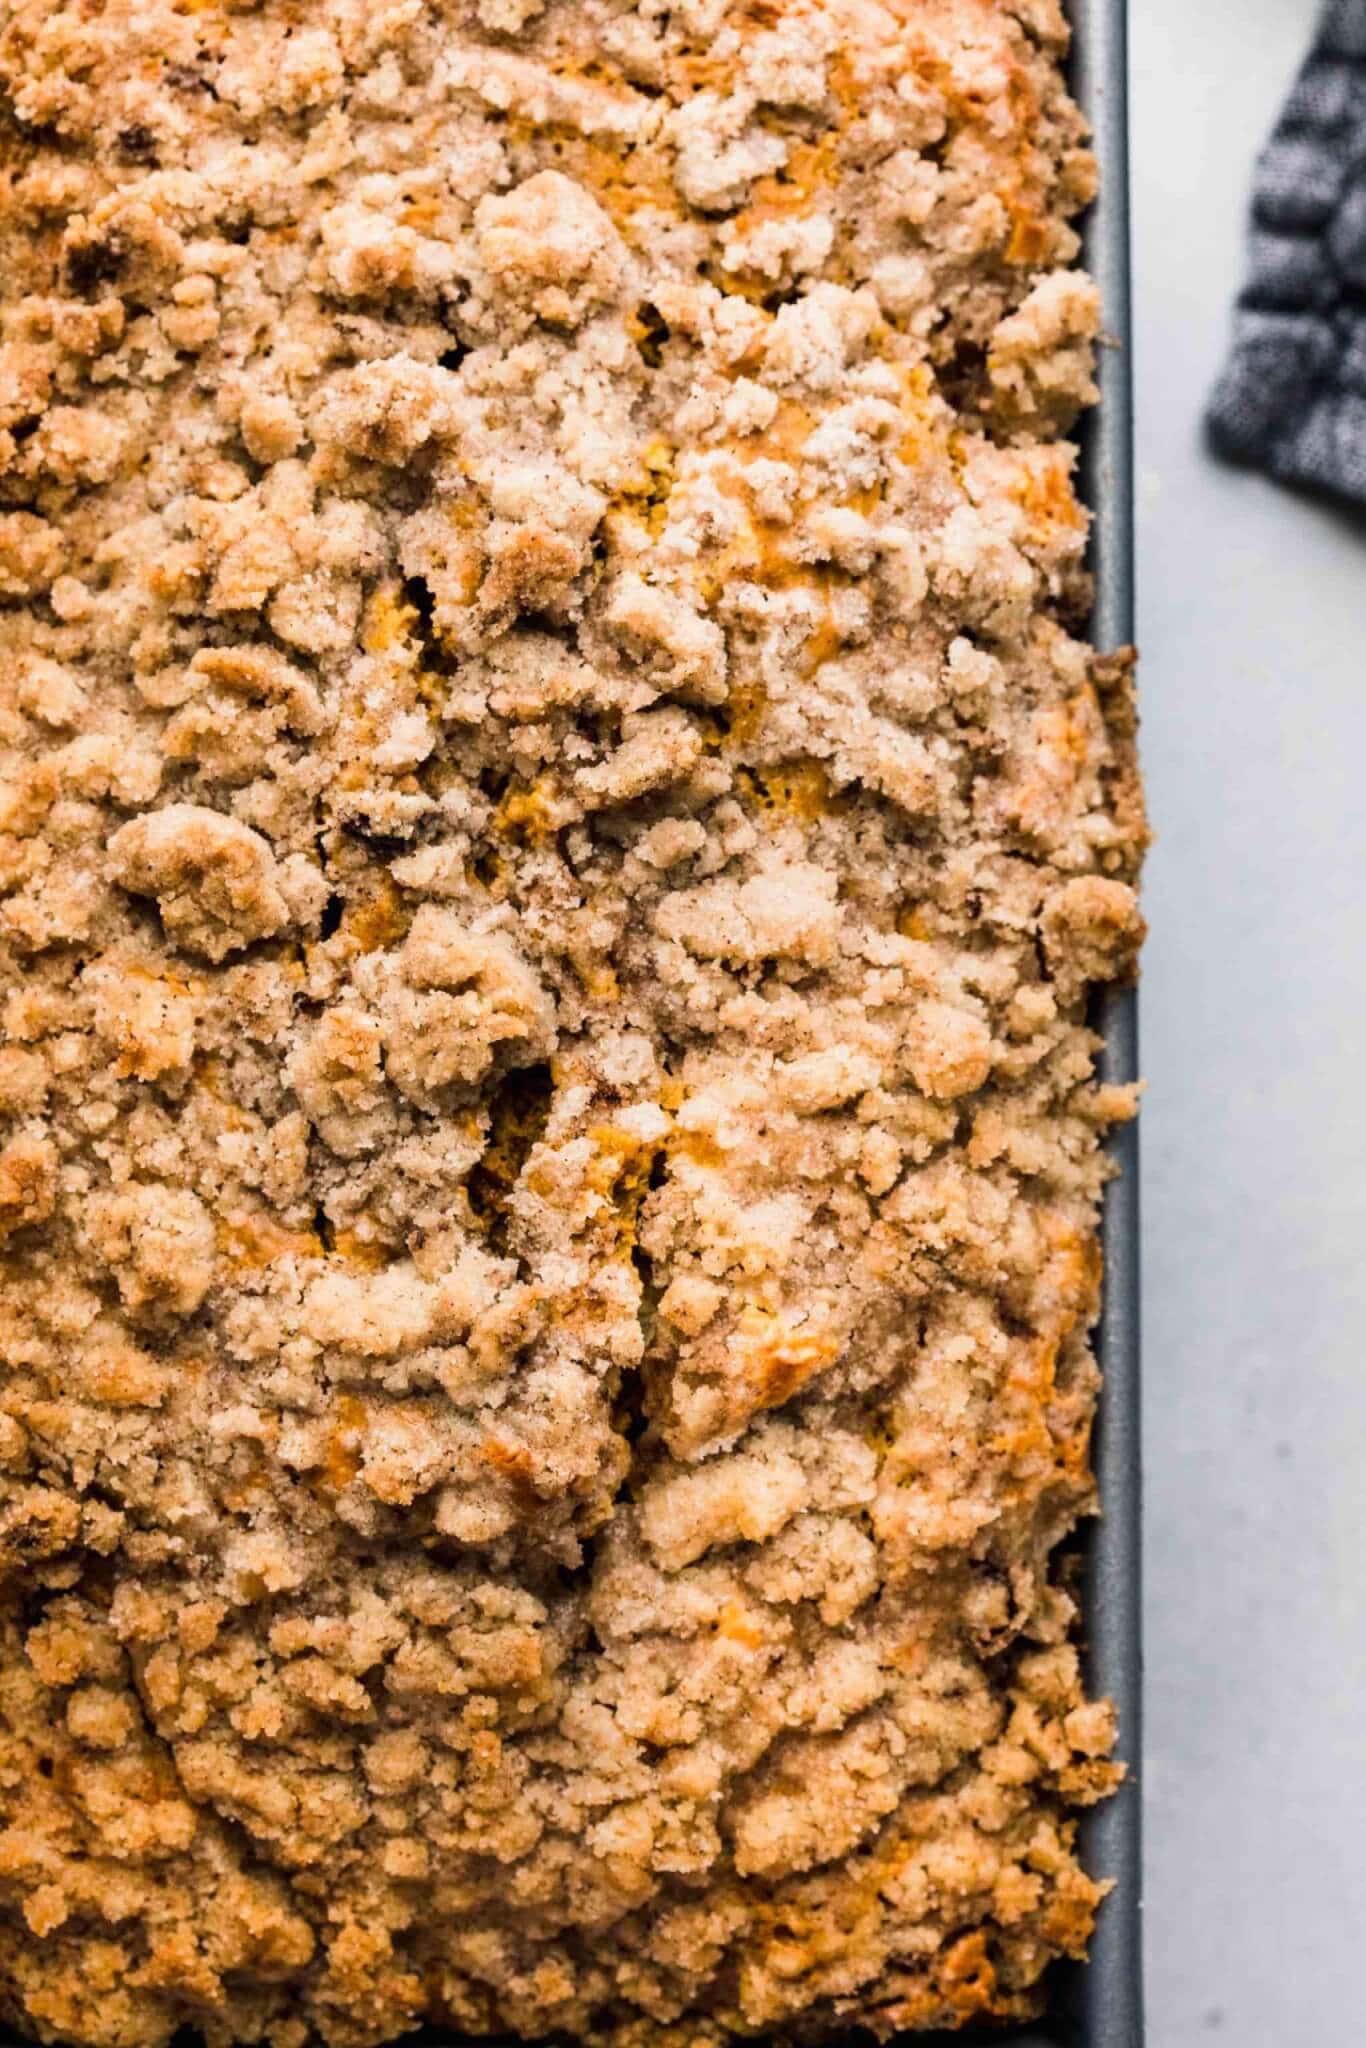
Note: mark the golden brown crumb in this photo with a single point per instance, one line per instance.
(556, 828)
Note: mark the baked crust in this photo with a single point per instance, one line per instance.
(557, 832)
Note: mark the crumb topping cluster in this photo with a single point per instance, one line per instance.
(556, 829)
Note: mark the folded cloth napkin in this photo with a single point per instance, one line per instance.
(1292, 400)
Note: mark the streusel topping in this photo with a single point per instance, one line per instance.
(557, 831)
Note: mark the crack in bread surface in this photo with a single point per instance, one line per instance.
(557, 830)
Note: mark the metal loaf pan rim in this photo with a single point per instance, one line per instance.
(1100, 2002)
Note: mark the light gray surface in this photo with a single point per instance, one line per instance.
(1252, 606)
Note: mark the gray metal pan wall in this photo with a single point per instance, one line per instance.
(1103, 1999)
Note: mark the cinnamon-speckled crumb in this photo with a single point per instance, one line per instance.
(556, 833)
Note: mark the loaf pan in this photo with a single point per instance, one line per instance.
(1097, 2004)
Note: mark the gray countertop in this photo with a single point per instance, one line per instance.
(1251, 613)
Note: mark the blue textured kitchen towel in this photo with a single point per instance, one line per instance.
(1292, 400)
